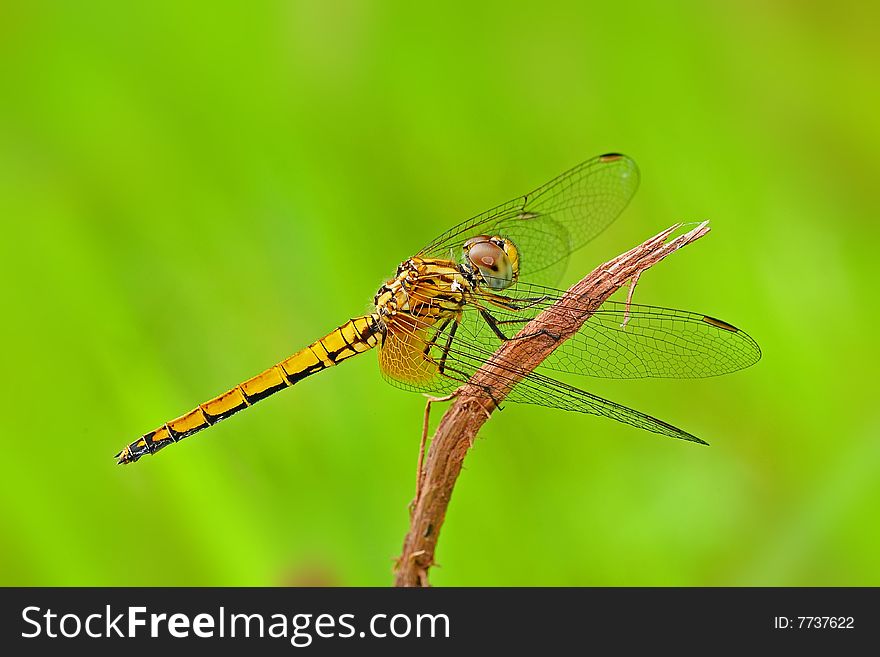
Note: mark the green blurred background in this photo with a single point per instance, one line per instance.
(191, 193)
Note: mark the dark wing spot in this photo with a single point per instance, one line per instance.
(610, 157)
(719, 324)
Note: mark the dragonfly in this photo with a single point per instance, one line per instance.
(449, 307)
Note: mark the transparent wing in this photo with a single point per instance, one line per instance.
(641, 342)
(438, 359)
(552, 221)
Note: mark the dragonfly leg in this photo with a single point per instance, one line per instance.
(495, 325)
(444, 370)
(444, 351)
(430, 343)
(420, 473)
(447, 347)
(464, 380)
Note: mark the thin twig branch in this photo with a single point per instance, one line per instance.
(463, 419)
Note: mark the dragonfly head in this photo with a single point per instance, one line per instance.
(492, 261)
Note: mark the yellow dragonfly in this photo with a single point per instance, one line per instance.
(449, 307)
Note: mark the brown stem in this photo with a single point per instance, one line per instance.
(463, 419)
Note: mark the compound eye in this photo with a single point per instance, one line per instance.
(492, 262)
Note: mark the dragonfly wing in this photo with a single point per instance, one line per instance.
(411, 354)
(544, 391)
(645, 341)
(453, 362)
(552, 221)
(619, 341)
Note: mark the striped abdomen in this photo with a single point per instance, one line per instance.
(355, 336)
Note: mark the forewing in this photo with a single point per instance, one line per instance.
(620, 342)
(549, 223)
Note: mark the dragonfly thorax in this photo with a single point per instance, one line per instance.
(425, 288)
